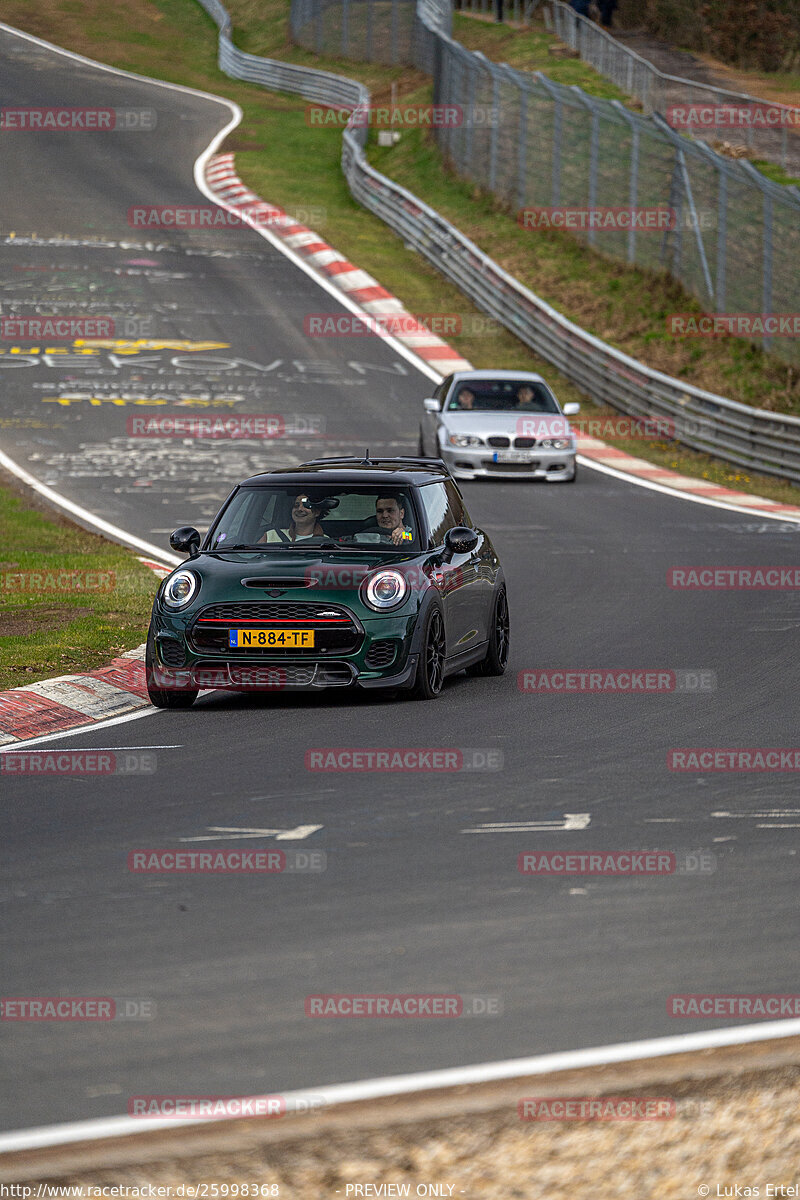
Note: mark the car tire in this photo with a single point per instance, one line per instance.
(430, 668)
(573, 476)
(164, 697)
(496, 658)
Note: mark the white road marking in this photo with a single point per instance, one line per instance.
(652, 486)
(231, 834)
(770, 813)
(762, 812)
(92, 749)
(423, 1081)
(569, 821)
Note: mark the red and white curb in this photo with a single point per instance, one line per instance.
(222, 180)
(72, 701)
(376, 302)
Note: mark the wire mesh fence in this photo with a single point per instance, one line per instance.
(628, 186)
(768, 130)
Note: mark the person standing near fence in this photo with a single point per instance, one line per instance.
(607, 8)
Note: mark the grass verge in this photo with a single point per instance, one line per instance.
(69, 600)
(626, 307)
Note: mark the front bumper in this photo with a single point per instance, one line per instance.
(478, 463)
(382, 658)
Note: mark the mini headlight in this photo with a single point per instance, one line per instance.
(555, 444)
(464, 439)
(385, 589)
(181, 589)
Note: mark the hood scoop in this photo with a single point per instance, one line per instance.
(275, 585)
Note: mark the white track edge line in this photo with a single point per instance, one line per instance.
(396, 1085)
(119, 535)
(594, 465)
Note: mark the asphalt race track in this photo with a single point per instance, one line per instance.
(413, 899)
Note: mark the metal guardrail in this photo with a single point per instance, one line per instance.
(657, 92)
(760, 441)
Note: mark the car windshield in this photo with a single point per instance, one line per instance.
(502, 395)
(317, 517)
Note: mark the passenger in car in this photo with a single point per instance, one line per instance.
(466, 400)
(304, 523)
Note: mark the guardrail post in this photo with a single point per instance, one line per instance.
(767, 270)
(722, 237)
(633, 178)
(320, 28)
(395, 36)
(495, 129)
(522, 146)
(587, 102)
(470, 138)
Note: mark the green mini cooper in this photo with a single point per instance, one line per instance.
(336, 573)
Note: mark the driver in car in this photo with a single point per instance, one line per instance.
(527, 399)
(391, 528)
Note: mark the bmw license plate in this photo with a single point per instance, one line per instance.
(514, 456)
(269, 639)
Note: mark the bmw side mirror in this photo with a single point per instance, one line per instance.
(570, 409)
(460, 540)
(185, 540)
(430, 405)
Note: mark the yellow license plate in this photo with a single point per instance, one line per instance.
(271, 639)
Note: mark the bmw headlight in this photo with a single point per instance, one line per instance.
(180, 589)
(385, 589)
(555, 444)
(464, 439)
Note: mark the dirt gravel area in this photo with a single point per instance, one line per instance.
(732, 1123)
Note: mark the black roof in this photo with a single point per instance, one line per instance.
(399, 471)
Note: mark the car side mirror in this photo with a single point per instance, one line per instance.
(186, 540)
(460, 540)
(569, 410)
(431, 404)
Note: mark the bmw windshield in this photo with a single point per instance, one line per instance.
(289, 517)
(502, 395)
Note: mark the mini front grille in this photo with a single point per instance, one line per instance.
(499, 441)
(335, 629)
(380, 654)
(278, 610)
